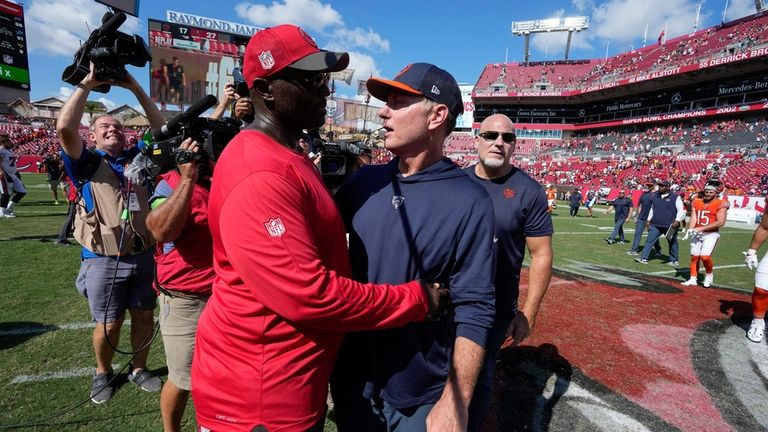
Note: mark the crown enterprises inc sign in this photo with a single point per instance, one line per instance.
(210, 23)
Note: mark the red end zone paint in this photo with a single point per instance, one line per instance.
(637, 341)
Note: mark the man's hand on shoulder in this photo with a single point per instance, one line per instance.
(439, 299)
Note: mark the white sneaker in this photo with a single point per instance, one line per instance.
(690, 282)
(708, 279)
(756, 330)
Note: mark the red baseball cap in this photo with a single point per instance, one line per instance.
(287, 46)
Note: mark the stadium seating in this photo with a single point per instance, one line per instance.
(687, 154)
(705, 44)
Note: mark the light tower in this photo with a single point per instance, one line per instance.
(569, 24)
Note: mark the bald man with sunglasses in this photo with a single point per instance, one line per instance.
(522, 220)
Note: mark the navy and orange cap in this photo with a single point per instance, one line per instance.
(421, 79)
(286, 46)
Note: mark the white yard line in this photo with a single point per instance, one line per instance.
(43, 328)
(551, 283)
(663, 272)
(38, 329)
(630, 233)
(45, 376)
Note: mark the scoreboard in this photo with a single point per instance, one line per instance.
(14, 66)
(208, 58)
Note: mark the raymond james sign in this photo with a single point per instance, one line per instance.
(210, 23)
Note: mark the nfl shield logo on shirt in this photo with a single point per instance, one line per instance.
(275, 227)
(397, 201)
(266, 59)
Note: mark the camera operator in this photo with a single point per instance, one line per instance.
(184, 256)
(282, 297)
(242, 109)
(117, 267)
(54, 169)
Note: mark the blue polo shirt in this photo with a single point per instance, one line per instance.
(621, 207)
(520, 211)
(575, 199)
(646, 202)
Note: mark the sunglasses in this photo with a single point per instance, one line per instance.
(310, 82)
(490, 136)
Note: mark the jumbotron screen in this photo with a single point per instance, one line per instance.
(14, 66)
(190, 62)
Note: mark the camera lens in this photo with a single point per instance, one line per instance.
(332, 165)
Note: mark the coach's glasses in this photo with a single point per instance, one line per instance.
(490, 136)
(309, 82)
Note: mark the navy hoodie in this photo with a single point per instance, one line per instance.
(435, 225)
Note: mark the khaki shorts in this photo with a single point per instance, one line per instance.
(178, 324)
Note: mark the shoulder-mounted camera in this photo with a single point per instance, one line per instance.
(109, 50)
(338, 159)
(211, 135)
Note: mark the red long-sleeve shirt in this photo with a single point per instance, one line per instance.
(282, 300)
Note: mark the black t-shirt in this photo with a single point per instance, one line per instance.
(53, 169)
(622, 206)
(520, 208)
(175, 73)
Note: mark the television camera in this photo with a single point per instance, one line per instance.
(109, 50)
(211, 135)
(339, 159)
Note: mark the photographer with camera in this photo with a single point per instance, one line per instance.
(242, 110)
(54, 170)
(184, 258)
(117, 267)
(282, 297)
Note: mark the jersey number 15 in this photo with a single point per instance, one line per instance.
(702, 216)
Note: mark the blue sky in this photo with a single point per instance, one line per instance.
(461, 36)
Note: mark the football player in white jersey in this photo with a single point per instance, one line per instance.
(9, 179)
(760, 294)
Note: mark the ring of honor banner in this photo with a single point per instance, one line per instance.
(191, 62)
(14, 66)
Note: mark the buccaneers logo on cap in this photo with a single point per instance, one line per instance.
(266, 60)
(307, 37)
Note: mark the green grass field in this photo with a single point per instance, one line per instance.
(46, 357)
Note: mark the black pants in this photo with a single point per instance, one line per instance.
(66, 228)
(574, 210)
